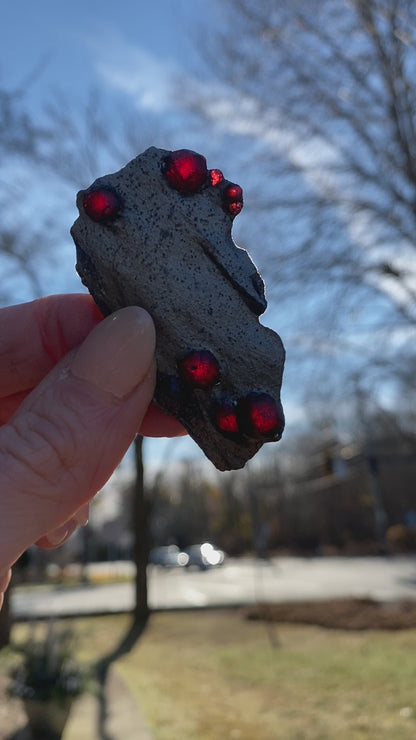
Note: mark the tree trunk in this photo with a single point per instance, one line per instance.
(5, 620)
(140, 509)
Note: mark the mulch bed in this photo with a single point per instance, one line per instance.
(346, 614)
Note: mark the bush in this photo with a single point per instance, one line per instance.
(47, 669)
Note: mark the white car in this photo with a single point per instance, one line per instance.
(204, 556)
(169, 556)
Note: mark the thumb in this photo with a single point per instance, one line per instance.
(71, 432)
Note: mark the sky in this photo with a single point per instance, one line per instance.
(75, 38)
(131, 51)
(129, 47)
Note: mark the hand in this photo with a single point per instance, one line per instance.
(74, 391)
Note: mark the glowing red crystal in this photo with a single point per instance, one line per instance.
(260, 415)
(216, 177)
(185, 170)
(226, 417)
(200, 368)
(232, 198)
(102, 205)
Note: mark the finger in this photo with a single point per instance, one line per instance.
(5, 577)
(34, 337)
(72, 431)
(59, 536)
(158, 423)
(9, 405)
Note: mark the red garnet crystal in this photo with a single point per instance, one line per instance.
(260, 415)
(216, 177)
(232, 199)
(200, 368)
(226, 417)
(185, 170)
(102, 205)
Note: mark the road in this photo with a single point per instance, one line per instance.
(237, 582)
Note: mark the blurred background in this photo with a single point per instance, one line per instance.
(312, 111)
(311, 108)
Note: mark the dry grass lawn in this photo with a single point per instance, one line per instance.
(215, 675)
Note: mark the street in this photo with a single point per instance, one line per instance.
(237, 582)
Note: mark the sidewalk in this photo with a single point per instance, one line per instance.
(123, 719)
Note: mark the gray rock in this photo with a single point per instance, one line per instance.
(172, 253)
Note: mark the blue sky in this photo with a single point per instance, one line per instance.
(131, 50)
(125, 47)
(74, 38)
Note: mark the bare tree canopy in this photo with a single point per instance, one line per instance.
(324, 94)
(332, 84)
(21, 240)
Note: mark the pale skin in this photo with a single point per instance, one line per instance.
(74, 391)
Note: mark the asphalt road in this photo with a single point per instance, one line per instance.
(237, 582)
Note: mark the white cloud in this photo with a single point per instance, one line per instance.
(153, 83)
(135, 71)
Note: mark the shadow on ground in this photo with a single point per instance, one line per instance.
(126, 644)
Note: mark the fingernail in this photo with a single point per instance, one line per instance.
(5, 579)
(82, 515)
(117, 354)
(58, 535)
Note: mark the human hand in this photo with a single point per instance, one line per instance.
(74, 391)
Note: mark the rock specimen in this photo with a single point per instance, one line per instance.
(158, 234)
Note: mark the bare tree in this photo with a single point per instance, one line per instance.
(23, 237)
(323, 96)
(21, 243)
(82, 146)
(73, 145)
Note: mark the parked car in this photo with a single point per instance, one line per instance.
(169, 556)
(204, 556)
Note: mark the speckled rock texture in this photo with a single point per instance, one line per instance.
(173, 254)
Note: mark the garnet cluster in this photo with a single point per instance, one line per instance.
(187, 172)
(255, 415)
(230, 406)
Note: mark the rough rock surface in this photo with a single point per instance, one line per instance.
(173, 254)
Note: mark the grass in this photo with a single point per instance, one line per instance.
(210, 675)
